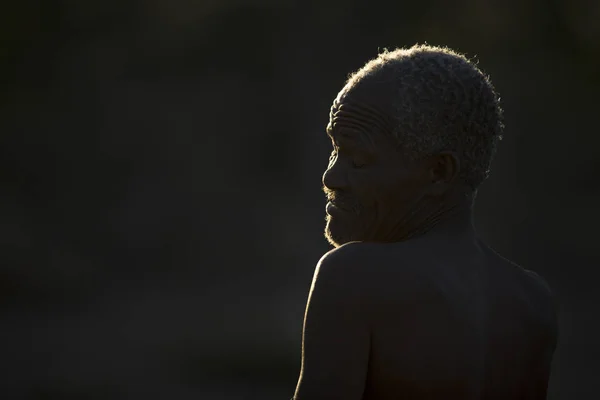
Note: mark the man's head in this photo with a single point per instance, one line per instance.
(410, 129)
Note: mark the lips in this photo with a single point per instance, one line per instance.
(340, 202)
(331, 208)
(335, 207)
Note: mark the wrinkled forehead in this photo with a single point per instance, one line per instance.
(366, 106)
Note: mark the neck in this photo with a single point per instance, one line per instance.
(452, 217)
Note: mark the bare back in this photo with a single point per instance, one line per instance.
(474, 326)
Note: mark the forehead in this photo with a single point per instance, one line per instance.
(377, 92)
(355, 134)
(360, 114)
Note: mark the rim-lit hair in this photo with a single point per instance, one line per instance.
(442, 101)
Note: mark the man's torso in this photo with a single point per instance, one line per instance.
(473, 325)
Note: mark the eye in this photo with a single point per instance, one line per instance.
(356, 163)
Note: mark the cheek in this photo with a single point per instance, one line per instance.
(364, 188)
(387, 194)
(373, 189)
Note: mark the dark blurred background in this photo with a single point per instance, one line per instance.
(160, 166)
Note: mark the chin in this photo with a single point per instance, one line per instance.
(337, 235)
(334, 242)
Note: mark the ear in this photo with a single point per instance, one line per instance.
(444, 169)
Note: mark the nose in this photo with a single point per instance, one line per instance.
(334, 177)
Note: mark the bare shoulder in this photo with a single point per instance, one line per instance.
(541, 285)
(345, 267)
(535, 291)
(359, 259)
(548, 304)
(533, 282)
(350, 256)
(367, 268)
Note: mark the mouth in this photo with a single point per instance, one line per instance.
(332, 208)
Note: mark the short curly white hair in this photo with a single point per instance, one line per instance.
(442, 101)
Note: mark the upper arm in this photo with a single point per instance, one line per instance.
(551, 343)
(336, 337)
(547, 340)
(541, 370)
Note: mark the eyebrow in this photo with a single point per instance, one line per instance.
(341, 133)
(357, 138)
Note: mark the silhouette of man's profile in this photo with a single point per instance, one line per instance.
(410, 303)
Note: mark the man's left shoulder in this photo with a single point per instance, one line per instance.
(354, 259)
(344, 263)
(544, 298)
(364, 265)
(351, 253)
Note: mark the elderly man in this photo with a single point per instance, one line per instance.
(411, 304)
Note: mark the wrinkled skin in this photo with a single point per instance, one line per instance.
(375, 193)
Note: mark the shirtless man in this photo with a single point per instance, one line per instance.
(411, 304)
